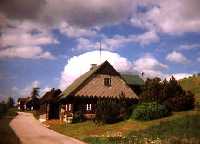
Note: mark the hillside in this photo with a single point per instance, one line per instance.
(192, 84)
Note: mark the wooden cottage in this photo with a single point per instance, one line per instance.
(134, 81)
(32, 103)
(21, 103)
(49, 107)
(100, 82)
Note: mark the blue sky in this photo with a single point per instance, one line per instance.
(49, 43)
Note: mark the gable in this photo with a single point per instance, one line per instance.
(107, 68)
(95, 87)
(103, 69)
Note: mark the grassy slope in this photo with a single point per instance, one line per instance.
(192, 84)
(7, 135)
(88, 130)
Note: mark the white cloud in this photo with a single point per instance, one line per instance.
(26, 91)
(74, 32)
(89, 14)
(44, 90)
(26, 34)
(150, 66)
(189, 46)
(78, 65)
(24, 40)
(173, 17)
(179, 76)
(25, 53)
(117, 41)
(177, 57)
(147, 38)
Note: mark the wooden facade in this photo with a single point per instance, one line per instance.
(49, 107)
(101, 82)
(21, 103)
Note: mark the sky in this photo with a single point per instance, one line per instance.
(48, 43)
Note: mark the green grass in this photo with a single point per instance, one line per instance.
(184, 129)
(7, 135)
(192, 84)
(89, 132)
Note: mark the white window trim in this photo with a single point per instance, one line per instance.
(68, 107)
(89, 107)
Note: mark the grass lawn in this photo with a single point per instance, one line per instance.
(7, 135)
(179, 126)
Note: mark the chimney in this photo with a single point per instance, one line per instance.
(93, 66)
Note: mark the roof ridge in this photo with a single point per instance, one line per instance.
(90, 72)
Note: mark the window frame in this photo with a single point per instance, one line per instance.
(88, 107)
(68, 107)
(107, 81)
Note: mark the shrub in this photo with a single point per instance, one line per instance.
(185, 101)
(78, 117)
(149, 111)
(168, 93)
(3, 109)
(111, 111)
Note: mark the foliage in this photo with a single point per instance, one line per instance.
(182, 102)
(192, 84)
(78, 117)
(150, 111)
(35, 92)
(169, 93)
(3, 109)
(7, 135)
(34, 101)
(10, 102)
(111, 111)
(151, 90)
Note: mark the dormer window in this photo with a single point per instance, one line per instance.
(107, 81)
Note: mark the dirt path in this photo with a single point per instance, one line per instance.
(31, 131)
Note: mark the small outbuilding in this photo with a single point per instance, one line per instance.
(49, 107)
(21, 103)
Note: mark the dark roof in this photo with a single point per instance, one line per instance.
(25, 99)
(79, 81)
(132, 79)
(50, 96)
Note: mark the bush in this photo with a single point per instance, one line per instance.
(149, 111)
(168, 93)
(185, 101)
(78, 117)
(111, 111)
(3, 109)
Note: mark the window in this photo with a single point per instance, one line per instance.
(68, 107)
(107, 81)
(89, 107)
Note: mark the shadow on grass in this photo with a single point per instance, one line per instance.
(7, 135)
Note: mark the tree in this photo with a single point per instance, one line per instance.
(35, 92)
(151, 90)
(170, 93)
(10, 102)
(34, 103)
